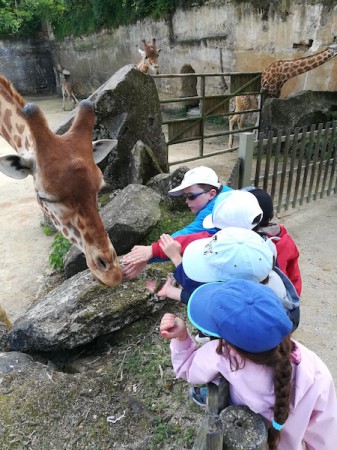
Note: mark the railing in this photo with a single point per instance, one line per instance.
(294, 168)
(211, 107)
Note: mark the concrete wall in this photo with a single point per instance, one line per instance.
(28, 65)
(245, 38)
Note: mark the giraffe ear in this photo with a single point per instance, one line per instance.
(141, 52)
(102, 148)
(15, 166)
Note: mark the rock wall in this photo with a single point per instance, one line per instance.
(28, 65)
(229, 36)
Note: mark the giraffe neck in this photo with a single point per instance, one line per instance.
(143, 66)
(302, 65)
(275, 75)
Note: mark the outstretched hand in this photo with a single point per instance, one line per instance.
(172, 327)
(171, 248)
(132, 270)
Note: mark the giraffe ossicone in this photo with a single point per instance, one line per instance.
(66, 177)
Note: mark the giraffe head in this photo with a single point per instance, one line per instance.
(66, 177)
(150, 57)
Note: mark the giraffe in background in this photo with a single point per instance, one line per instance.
(277, 73)
(65, 172)
(149, 60)
(274, 77)
(67, 88)
(242, 103)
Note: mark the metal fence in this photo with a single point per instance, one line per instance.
(294, 168)
(187, 127)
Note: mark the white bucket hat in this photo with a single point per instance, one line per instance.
(230, 253)
(198, 175)
(234, 209)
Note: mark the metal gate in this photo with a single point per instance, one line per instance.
(189, 127)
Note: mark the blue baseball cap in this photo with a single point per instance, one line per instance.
(245, 314)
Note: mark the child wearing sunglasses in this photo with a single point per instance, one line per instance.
(200, 187)
(275, 376)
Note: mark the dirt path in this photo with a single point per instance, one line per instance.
(24, 247)
(25, 250)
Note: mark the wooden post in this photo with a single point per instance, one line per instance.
(243, 429)
(246, 151)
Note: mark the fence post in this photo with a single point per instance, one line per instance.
(243, 429)
(246, 151)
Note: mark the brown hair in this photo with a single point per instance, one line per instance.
(209, 187)
(278, 359)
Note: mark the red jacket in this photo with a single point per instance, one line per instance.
(287, 254)
(184, 240)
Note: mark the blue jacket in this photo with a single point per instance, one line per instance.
(196, 225)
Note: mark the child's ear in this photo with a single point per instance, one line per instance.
(213, 192)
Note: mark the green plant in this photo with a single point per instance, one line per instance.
(170, 222)
(59, 247)
(48, 231)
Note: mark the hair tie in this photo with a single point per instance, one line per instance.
(276, 425)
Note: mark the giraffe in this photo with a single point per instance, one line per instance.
(277, 73)
(242, 103)
(149, 58)
(65, 175)
(4, 318)
(274, 77)
(67, 88)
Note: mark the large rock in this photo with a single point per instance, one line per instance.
(81, 310)
(128, 218)
(298, 110)
(128, 109)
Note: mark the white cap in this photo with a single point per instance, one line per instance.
(234, 209)
(230, 253)
(198, 175)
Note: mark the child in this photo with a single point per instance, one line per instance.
(200, 186)
(230, 253)
(287, 251)
(242, 210)
(269, 372)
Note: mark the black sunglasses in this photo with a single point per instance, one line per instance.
(194, 196)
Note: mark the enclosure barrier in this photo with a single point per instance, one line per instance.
(188, 129)
(293, 168)
(226, 427)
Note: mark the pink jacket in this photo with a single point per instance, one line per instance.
(313, 413)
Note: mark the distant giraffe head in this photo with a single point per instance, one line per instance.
(66, 177)
(149, 60)
(277, 73)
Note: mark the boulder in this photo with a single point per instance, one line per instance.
(127, 109)
(128, 218)
(298, 110)
(80, 310)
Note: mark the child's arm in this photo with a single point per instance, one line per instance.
(171, 248)
(170, 291)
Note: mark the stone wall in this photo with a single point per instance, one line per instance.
(225, 36)
(28, 65)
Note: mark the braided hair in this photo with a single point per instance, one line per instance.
(278, 359)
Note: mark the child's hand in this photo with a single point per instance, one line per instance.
(171, 248)
(132, 270)
(138, 254)
(172, 327)
(170, 291)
